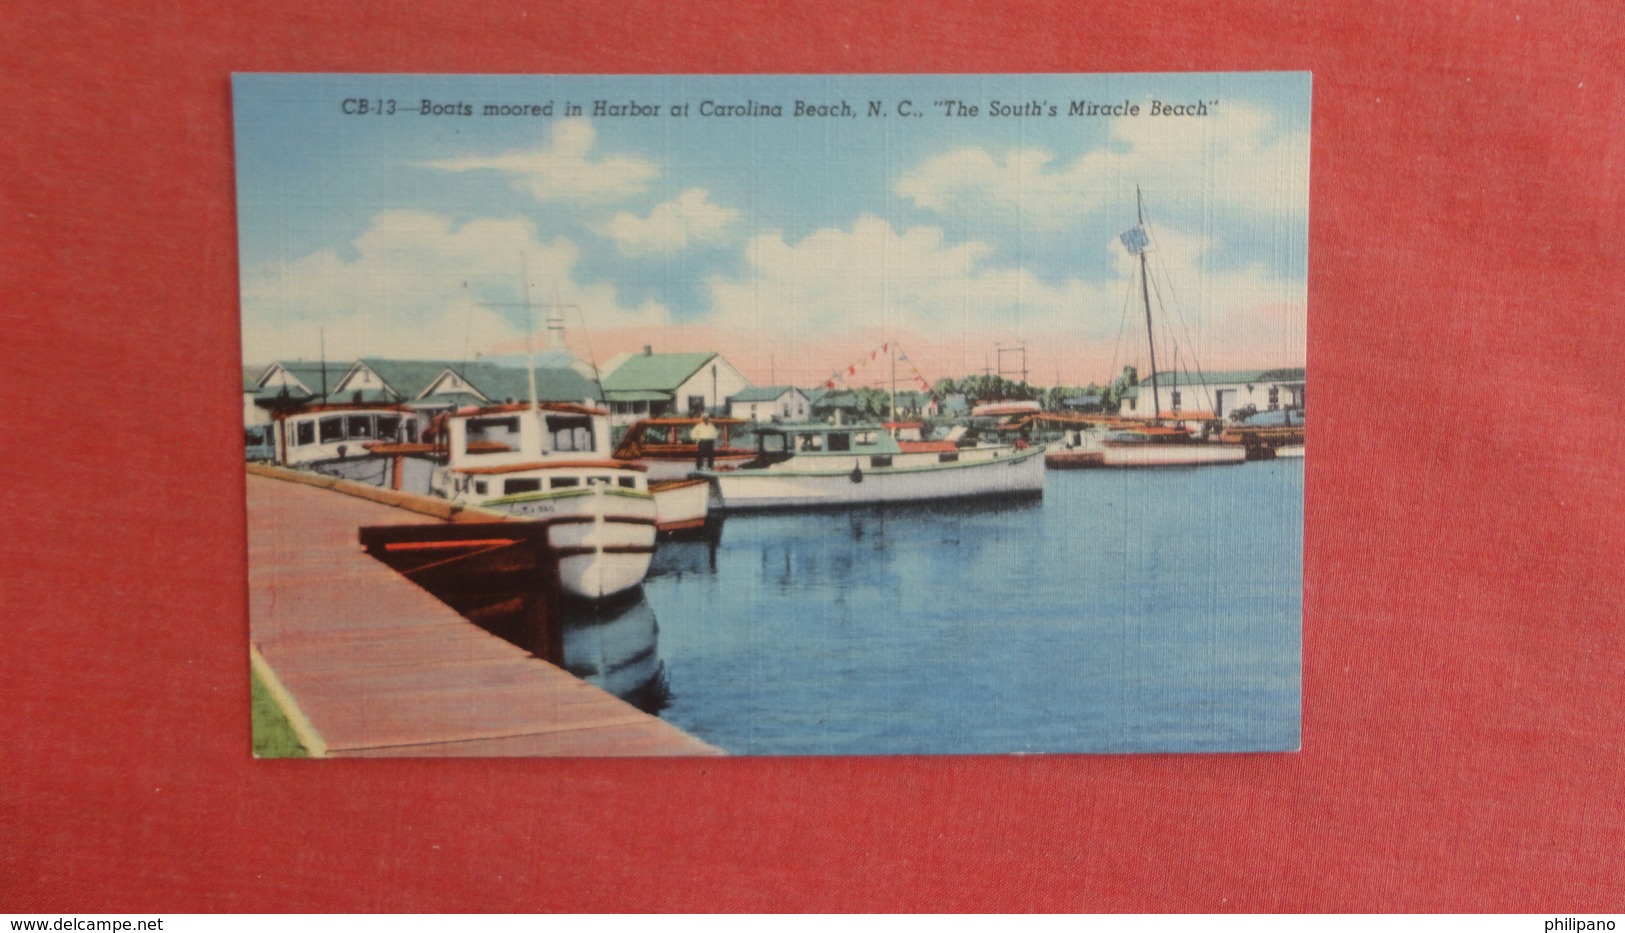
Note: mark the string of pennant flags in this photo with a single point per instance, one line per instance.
(840, 376)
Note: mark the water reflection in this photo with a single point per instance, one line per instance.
(615, 647)
(677, 557)
(1119, 612)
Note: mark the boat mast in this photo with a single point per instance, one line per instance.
(530, 339)
(1145, 295)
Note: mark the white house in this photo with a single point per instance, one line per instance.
(1219, 392)
(770, 403)
(650, 385)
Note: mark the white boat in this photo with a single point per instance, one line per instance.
(681, 505)
(664, 448)
(821, 465)
(339, 440)
(541, 461)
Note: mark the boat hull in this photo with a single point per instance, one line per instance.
(1074, 459)
(1170, 455)
(681, 505)
(669, 470)
(844, 481)
(604, 537)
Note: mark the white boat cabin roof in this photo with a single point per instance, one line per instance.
(816, 438)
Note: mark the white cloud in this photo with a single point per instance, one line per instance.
(419, 287)
(565, 170)
(815, 303)
(1240, 157)
(691, 217)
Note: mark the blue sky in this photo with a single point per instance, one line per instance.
(790, 244)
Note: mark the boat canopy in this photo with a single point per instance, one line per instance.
(825, 439)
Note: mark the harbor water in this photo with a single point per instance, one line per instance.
(1124, 611)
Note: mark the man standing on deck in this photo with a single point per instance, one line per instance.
(705, 435)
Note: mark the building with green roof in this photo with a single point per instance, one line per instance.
(652, 385)
(770, 403)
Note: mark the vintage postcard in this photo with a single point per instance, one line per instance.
(774, 415)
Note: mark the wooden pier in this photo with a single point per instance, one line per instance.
(369, 664)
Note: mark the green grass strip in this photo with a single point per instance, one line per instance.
(273, 736)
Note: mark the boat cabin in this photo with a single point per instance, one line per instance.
(510, 434)
(779, 443)
(670, 438)
(338, 432)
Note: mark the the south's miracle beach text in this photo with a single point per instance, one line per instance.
(950, 108)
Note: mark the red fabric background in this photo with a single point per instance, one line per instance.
(1463, 638)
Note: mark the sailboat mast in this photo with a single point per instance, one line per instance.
(530, 339)
(1145, 295)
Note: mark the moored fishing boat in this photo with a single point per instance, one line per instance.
(338, 439)
(541, 462)
(821, 465)
(665, 448)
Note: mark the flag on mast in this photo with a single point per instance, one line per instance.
(1135, 240)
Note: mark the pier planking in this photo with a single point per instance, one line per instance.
(379, 667)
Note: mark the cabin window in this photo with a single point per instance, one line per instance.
(514, 486)
(812, 442)
(1176, 400)
(880, 460)
(389, 426)
(479, 487)
(948, 457)
(564, 482)
(597, 481)
(771, 443)
(411, 432)
(304, 433)
(358, 426)
(492, 429)
(570, 434)
(629, 482)
(865, 439)
(332, 430)
(1275, 397)
(839, 442)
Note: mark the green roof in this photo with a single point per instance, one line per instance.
(310, 374)
(1226, 377)
(410, 378)
(761, 393)
(501, 383)
(659, 372)
(636, 395)
(362, 397)
(251, 377)
(840, 398)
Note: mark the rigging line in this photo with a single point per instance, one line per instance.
(586, 336)
(468, 338)
(1188, 345)
(1184, 325)
(1122, 326)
